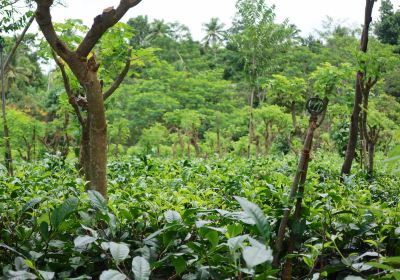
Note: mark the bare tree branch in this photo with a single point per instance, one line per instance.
(43, 18)
(107, 19)
(18, 42)
(67, 85)
(120, 77)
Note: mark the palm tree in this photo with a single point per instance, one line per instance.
(215, 33)
(158, 29)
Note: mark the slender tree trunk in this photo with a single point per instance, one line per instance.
(174, 150)
(298, 182)
(371, 154)
(250, 123)
(18, 42)
(353, 135)
(195, 141)
(7, 145)
(116, 149)
(266, 138)
(258, 149)
(34, 143)
(84, 154)
(218, 141)
(296, 128)
(181, 143)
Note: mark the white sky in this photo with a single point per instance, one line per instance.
(307, 15)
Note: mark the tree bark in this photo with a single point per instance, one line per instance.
(298, 184)
(296, 128)
(353, 135)
(250, 123)
(84, 154)
(93, 156)
(371, 153)
(7, 145)
(218, 141)
(18, 42)
(97, 132)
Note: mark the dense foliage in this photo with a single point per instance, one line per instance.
(194, 219)
(200, 92)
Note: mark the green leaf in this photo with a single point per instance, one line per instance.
(179, 264)
(236, 242)
(119, 251)
(213, 237)
(61, 213)
(141, 268)
(47, 275)
(29, 205)
(82, 241)
(256, 214)
(254, 256)
(97, 200)
(20, 264)
(380, 266)
(44, 230)
(112, 275)
(234, 230)
(395, 260)
(172, 216)
(19, 275)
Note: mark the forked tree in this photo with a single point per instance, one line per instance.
(83, 64)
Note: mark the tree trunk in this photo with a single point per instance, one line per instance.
(188, 149)
(18, 42)
(84, 155)
(7, 145)
(34, 143)
(371, 153)
(353, 135)
(194, 141)
(218, 141)
(298, 184)
(82, 62)
(258, 149)
(181, 142)
(97, 134)
(250, 123)
(268, 137)
(174, 150)
(296, 128)
(116, 149)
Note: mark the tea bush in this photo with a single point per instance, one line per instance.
(195, 219)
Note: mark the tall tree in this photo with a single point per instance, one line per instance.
(84, 66)
(355, 117)
(158, 29)
(259, 40)
(214, 33)
(4, 69)
(141, 28)
(388, 27)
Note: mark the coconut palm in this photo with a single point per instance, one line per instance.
(215, 33)
(158, 29)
